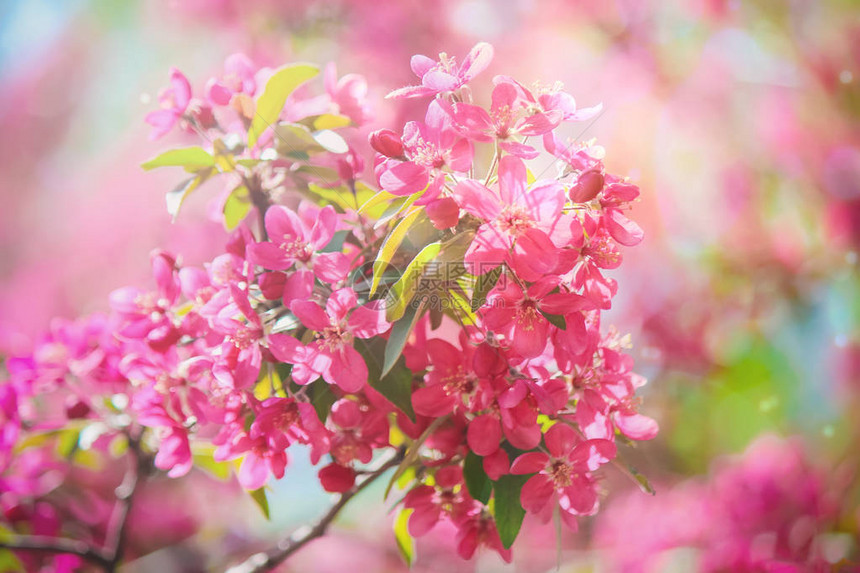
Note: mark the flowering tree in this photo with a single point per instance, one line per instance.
(443, 321)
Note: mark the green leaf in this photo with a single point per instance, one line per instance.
(270, 104)
(396, 386)
(67, 442)
(483, 285)
(204, 460)
(9, 562)
(180, 193)
(321, 398)
(259, 497)
(556, 320)
(405, 542)
(391, 244)
(377, 204)
(236, 207)
(477, 482)
(191, 158)
(509, 511)
(340, 196)
(401, 293)
(331, 121)
(399, 336)
(336, 243)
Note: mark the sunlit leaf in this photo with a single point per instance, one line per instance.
(270, 104)
(236, 207)
(405, 542)
(259, 497)
(391, 244)
(191, 158)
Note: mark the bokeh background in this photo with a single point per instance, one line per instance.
(740, 121)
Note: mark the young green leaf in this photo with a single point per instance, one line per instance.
(176, 197)
(400, 335)
(400, 295)
(509, 511)
(484, 284)
(270, 104)
(259, 497)
(477, 482)
(396, 385)
(405, 542)
(391, 244)
(236, 207)
(191, 158)
(556, 320)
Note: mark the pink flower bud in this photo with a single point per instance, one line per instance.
(387, 143)
(587, 186)
(444, 213)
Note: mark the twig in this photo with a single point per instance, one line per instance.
(108, 557)
(265, 561)
(46, 544)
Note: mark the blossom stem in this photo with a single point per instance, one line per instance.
(267, 560)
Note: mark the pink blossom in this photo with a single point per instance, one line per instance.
(174, 101)
(445, 75)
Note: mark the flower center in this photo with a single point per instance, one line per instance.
(527, 313)
(334, 337)
(514, 220)
(296, 248)
(561, 474)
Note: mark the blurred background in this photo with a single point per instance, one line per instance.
(740, 121)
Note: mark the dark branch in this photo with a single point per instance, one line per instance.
(109, 557)
(45, 544)
(264, 561)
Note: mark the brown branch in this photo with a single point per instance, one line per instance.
(46, 544)
(108, 557)
(265, 561)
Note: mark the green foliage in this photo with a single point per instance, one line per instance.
(192, 159)
(477, 482)
(270, 104)
(509, 512)
(405, 542)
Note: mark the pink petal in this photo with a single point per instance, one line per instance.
(404, 178)
(477, 60)
(439, 81)
(477, 199)
(529, 463)
(269, 256)
(181, 90)
(340, 303)
(331, 267)
(636, 426)
(298, 286)
(474, 122)
(421, 64)
(520, 150)
(484, 435)
(512, 178)
(536, 493)
(622, 229)
(348, 370)
(560, 440)
(365, 322)
(496, 464)
(286, 348)
(311, 314)
(253, 472)
(433, 401)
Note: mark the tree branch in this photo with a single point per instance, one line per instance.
(46, 544)
(108, 557)
(264, 561)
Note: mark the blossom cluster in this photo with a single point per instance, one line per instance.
(316, 326)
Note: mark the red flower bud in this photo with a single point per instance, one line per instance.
(387, 143)
(587, 187)
(76, 408)
(336, 478)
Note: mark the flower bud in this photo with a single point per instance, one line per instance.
(387, 143)
(587, 186)
(444, 213)
(76, 408)
(336, 478)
